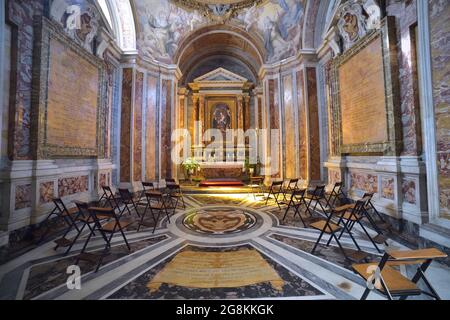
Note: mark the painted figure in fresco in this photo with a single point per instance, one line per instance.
(351, 26)
(273, 41)
(290, 17)
(222, 118)
(250, 18)
(161, 29)
(282, 34)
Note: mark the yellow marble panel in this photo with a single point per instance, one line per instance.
(362, 94)
(72, 99)
(217, 270)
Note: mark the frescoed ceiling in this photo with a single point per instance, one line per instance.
(272, 27)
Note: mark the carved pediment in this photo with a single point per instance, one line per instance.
(220, 78)
(220, 75)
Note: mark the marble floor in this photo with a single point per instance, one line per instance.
(228, 246)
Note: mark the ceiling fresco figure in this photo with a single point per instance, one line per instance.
(277, 23)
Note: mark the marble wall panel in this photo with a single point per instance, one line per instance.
(314, 130)
(137, 132)
(103, 180)
(388, 188)
(409, 191)
(151, 125)
(290, 152)
(72, 185)
(334, 176)
(274, 110)
(46, 192)
(440, 48)
(23, 196)
(125, 130)
(302, 121)
(166, 129)
(21, 13)
(405, 13)
(364, 182)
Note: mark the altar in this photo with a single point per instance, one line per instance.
(219, 104)
(214, 170)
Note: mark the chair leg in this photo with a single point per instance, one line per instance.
(297, 211)
(365, 294)
(318, 241)
(368, 235)
(351, 236)
(75, 239)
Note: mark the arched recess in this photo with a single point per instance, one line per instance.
(325, 15)
(221, 40)
(120, 13)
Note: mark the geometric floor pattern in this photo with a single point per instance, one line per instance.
(223, 246)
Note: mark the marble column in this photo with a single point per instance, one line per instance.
(240, 110)
(247, 112)
(201, 118)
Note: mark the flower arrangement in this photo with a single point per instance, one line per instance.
(190, 165)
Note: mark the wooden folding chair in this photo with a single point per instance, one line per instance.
(332, 229)
(69, 216)
(335, 194)
(317, 195)
(256, 184)
(127, 199)
(107, 231)
(156, 203)
(390, 282)
(365, 213)
(148, 186)
(110, 198)
(290, 186)
(275, 190)
(296, 201)
(84, 218)
(174, 192)
(354, 216)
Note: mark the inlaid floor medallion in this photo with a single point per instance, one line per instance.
(219, 221)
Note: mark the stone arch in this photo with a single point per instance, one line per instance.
(121, 14)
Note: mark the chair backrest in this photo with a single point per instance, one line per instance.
(125, 194)
(83, 207)
(170, 181)
(154, 196)
(299, 193)
(277, 183)
(319, 191)
(108, 191)
(359, 206)
(148, 185)
(338, 185)
(60, 205)
(292, 181)
(369, 195)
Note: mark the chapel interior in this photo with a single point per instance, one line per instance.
(225, 149)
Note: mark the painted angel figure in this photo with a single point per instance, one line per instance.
(250, 17)
(290, 17)
(161, 28)
(273, 40)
